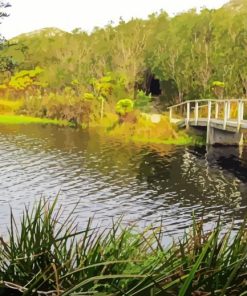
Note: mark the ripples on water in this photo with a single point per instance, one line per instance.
(110, 178)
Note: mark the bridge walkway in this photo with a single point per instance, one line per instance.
(223, 115)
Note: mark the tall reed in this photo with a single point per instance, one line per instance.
(47, 254)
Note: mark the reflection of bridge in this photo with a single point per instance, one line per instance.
(223, 119)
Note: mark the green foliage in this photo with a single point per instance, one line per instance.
(20, 119)
(103, 86)
(218, 88)
(6, 63)
(60, 106)
(75, 82)
(10, 107)
(187, 53)
(25, 79)
(124, 106)
(46, 252)
(218, 84)
(143, 101)
(3, 6)
(88, 96)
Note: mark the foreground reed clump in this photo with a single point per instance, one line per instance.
(44, 256)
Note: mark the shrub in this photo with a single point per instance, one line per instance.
(143, 101)
(218, 83)
(10, 106)
(64, 106)
(218, 88)
(124, 106)
(88, 96)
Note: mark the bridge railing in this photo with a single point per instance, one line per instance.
(195, 110)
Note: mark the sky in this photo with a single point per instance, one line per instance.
(29, 15)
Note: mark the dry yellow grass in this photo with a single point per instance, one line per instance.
(146, 131)
(10, 106)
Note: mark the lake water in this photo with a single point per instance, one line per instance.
(109, 178)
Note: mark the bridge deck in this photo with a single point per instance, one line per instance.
(231, 125)
(225, 115)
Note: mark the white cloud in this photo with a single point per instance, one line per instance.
(28, 15)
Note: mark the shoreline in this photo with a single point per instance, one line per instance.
(23, 119)
(180, 140)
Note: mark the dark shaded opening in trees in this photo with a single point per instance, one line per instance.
(154, 88)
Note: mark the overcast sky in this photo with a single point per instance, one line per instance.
(29, 15)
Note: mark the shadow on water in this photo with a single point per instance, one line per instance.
(110, 178)
(231, 159)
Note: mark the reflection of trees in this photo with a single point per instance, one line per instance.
(78, 150)
(193, 177)
(47, 136)
(230, 159)
(157, 178)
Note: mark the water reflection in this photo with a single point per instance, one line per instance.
(109, 178)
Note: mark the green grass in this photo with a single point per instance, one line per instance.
(181, 140)
(21, 119)
(45, 253)
(145, 131)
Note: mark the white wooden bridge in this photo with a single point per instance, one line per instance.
(224, 119)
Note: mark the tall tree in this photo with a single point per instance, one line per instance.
(6, 62)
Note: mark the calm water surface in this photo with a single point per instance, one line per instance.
(108, 178)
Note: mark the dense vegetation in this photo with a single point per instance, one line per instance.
(187, 53)
(80, 77)
(45, 256)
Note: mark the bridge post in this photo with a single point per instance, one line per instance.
(170, 114)
(225, 114)
(228, 109)
(242, 110)
(216, 110)
(187, 115)
(208, 122)
(196, 113)
(240, 113)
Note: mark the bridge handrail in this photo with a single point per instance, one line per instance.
(213, 108)
(207, 100)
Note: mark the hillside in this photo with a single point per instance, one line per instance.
(236, 5)
(174, 58)
(44, 32)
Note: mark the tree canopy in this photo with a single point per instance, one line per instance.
(187, 53)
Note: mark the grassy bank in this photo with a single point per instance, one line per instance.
(9, 110)
(21, 119)
(45, 256)
(148, 133)
(143, 130)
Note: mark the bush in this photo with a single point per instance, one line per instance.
(124, 106)
(143, 101)
(218, 88)
(64, 106)
(218, 83)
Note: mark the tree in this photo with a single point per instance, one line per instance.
(6, 63)
(3, 13)
(128, 52)
(24, 81)
(187, 53)
(102, 89)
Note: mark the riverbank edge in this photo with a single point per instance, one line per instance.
(182, 140)
(173, 136)
(23, 119)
